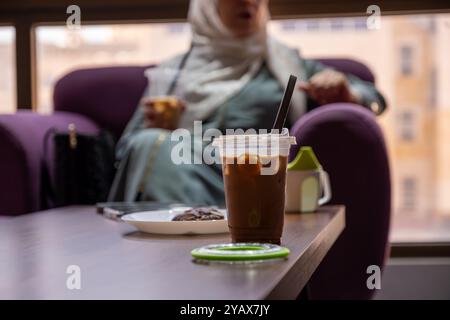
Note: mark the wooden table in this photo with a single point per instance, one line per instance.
(117, 262)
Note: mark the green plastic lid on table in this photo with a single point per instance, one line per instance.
(305, 160)
(240, 252)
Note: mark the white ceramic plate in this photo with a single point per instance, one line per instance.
(160, 222)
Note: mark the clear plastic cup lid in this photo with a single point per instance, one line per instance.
(265, 139)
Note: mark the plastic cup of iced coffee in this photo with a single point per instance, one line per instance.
(170, 108)
(254, 173)
(166, 111)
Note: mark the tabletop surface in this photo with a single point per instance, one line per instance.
(117, 262)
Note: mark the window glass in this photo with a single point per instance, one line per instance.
(60, 50)
(409, 58)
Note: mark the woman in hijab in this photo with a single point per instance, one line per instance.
(233, 77)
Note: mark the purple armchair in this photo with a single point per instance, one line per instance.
(346, 138)
(89, 98)
(350, 146)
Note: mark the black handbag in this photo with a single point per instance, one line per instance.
(83, 167)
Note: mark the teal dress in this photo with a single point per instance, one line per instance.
(146, 172)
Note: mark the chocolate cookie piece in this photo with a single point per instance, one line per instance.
(199, 214)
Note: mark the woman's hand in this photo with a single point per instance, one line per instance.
(163, 113)
(329, 86)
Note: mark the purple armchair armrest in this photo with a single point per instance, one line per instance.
(351, 148)
(22, 156)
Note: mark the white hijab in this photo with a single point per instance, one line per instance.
(220, 65)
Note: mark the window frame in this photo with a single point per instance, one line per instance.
(419, 249)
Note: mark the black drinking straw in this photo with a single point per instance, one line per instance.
(284, 105)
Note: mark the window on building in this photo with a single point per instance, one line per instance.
(288, 25)
(409, 193)
(7, 74)
(407, 126)
(337, 24)
(433, 88)
(360, 24)
(406, 60)
(313, 24)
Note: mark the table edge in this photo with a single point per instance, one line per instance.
(293, 282)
